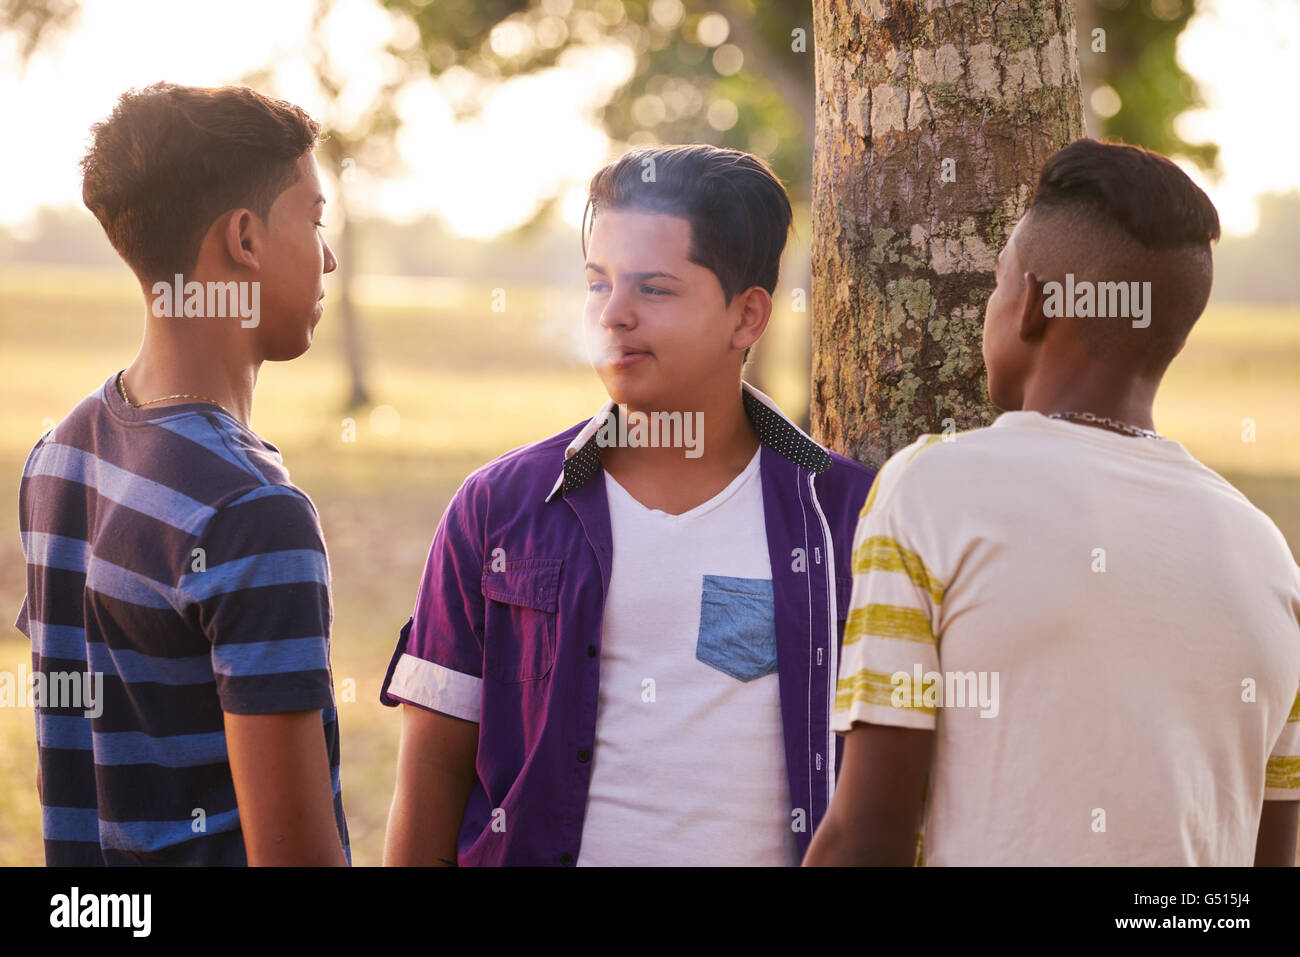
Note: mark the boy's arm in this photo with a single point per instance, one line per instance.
(1276, 843)
(262, 600)
(282, 783)
(876, 810)
(436, 674)
(435, 774)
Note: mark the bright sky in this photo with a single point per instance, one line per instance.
(534, 139)
(1243, 53)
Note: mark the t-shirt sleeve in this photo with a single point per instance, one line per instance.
(438, 662)
(258, 583)
(1282, 774)
(889, 635)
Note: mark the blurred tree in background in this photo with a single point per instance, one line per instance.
(30, 23)
(352, 135)
(734, 73)
(1136, 89)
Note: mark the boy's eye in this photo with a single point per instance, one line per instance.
(321, 225)
(651, 290)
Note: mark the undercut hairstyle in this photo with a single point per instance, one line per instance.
(171, 159)
(1108, 212)
(738, 210)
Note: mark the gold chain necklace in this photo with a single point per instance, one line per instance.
(121, 388)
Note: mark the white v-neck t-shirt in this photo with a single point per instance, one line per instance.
(689, 763)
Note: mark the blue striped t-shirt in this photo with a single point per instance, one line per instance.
(173, 574)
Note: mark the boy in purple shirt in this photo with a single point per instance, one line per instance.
(624, 646)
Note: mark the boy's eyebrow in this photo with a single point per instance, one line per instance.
(639, 276)
(319, 201)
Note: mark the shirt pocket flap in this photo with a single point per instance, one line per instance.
(526, 582)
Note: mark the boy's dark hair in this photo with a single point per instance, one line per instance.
(171, 159)
(1114, 212)
(738, 210)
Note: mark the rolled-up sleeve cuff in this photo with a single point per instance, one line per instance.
(432, 686)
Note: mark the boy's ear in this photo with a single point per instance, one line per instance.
(755, 311)
(1033, 321)
(242, 238)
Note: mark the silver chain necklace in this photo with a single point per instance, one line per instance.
(1113, 424)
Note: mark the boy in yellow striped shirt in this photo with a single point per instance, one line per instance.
(1069, 642)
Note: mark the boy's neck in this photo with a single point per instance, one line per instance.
(193, 362)
(666, 478)
(1111, 394)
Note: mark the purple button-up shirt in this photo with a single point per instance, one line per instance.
(507, 628)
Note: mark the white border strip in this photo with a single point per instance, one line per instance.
(433, 686)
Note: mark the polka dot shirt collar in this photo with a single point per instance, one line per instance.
(775, 430)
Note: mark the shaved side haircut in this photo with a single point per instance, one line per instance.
(1111, 213)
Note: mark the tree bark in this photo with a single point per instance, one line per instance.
(933, 121)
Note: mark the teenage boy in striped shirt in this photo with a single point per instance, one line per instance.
(1069, 641)
(168, 555)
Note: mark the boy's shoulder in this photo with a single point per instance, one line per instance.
(525, 474)
(941, 452)
(196, 460)
(936, 467)
(850, 469)
(846, 482)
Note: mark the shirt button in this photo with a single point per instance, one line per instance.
(566, 859)
(584, 755)
(591, 651)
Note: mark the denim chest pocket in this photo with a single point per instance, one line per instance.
(737, 626)
(520, 602)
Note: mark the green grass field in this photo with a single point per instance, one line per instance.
(469, 384)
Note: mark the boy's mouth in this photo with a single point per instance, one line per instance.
(620, 357)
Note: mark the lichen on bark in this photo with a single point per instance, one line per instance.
(904, 243)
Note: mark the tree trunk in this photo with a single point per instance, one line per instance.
(933, 122)
(358, 394)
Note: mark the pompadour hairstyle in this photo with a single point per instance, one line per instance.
(738, 210)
